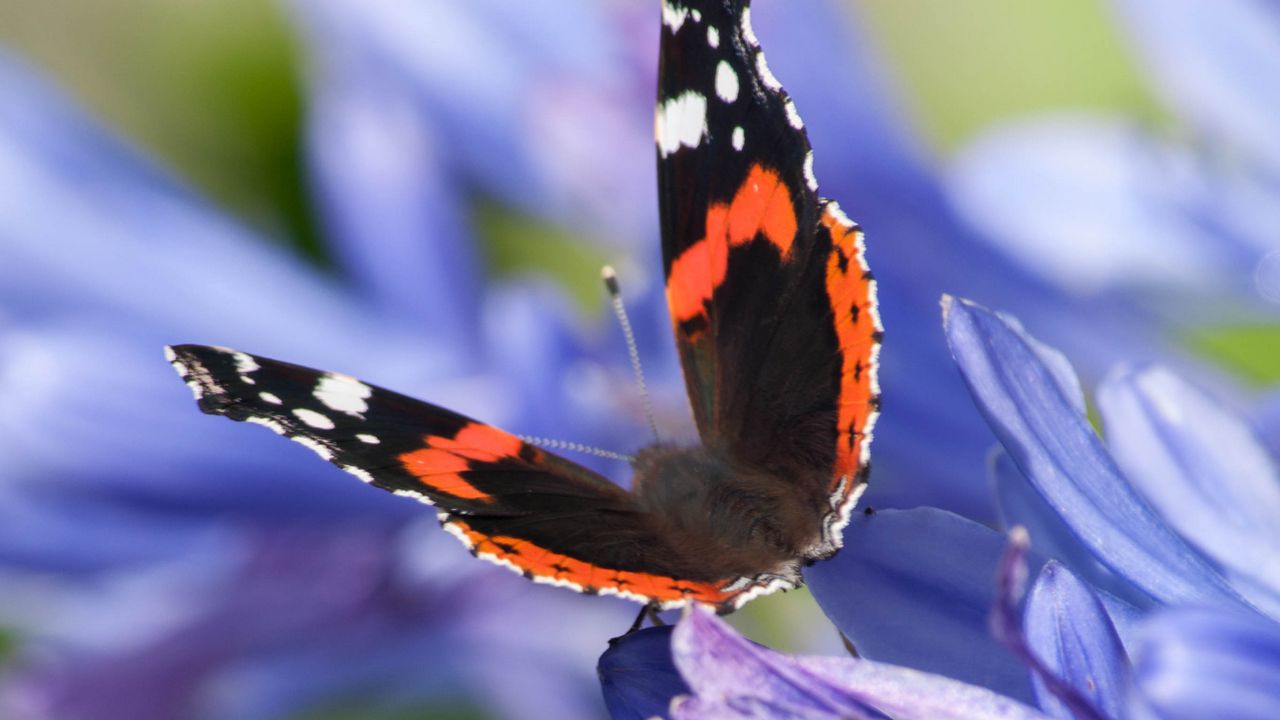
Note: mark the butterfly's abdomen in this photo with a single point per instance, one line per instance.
(731, 521)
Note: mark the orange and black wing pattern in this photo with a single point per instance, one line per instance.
(510, 502)
(771, 299)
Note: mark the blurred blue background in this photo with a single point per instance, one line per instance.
(421, 193)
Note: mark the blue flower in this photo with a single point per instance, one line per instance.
(1145, 550)
(1111, 208)
(156, 563)
(134, 532)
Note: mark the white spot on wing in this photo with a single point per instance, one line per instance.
(793, 117)
(673, 16)
(451, 528)
(713, 36)
(424, 499)
(837, 497)
(834, 208)
(766, 74)
(245, 364)
(367, 439)
(361, 473)
(809, 177)
(313, 445)
(271, 398)
(747, 31)
(726, 82)
(180, 367)
(839, 518)
(343, 393)
(275, 427)
(314, 419)
(680, 122)
(696, 14)
(169, 354)
(773, 585)
(739, 138)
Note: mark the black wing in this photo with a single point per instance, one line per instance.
(510, 502)
(772, 302)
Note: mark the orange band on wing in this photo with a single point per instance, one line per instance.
(441, 463)
(850, 291)
(761, 207)
(543, 563)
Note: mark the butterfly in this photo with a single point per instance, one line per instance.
(774, 314)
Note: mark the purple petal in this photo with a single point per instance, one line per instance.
(1006, 624)
(1202, 665)
(914, 588)
(1069, 630)
(638, 676)
(1054, 446)
(1216, 64)
(1201, 468)
(723, 667)
(731, 677)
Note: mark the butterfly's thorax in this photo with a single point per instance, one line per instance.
(728, 519)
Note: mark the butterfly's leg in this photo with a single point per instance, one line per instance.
(652, 610)
(639, 620)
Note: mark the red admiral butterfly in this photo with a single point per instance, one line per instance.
(775, 317)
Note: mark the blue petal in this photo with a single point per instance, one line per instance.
(1216, 63)
(1006, 624)
(732, 678)
(91, 228)
(1020, 504)
(1069, 630)
(94, 413)
(396, 217)
(928, 448)
(1054, 446)
(1202, 469)
(246, 608)
(1201, 665)
(236, 621)
(638, 676)
(1093, 204)
(858, 133)
(533, 106)
(915, 588)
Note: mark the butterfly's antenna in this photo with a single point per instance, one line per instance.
(619, 310)
(574, 447)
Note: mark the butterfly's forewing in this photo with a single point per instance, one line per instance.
(770, 297)
(509, 501)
